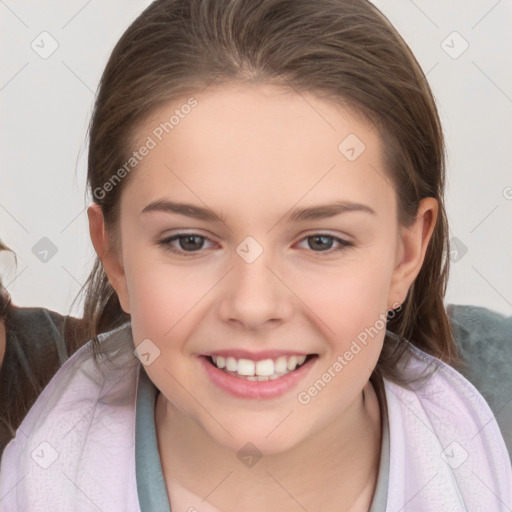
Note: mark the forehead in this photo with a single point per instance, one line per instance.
(256, 147)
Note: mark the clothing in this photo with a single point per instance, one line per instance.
(150, 480)
(38, 341)
(75, 450)
(484, 338)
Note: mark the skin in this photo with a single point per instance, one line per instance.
(250, 154)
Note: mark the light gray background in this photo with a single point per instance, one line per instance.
(46, 105)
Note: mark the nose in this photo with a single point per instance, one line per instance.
(254, 295)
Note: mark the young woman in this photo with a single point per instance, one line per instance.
(268, 212)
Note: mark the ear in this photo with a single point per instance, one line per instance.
(412, 247)
(109, 254)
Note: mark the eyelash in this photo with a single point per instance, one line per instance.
(166, 243)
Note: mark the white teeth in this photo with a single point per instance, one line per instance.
(245, 367)
(265, 369)
(281, 364)
(219, 361)
(231, 364)
(292, 363)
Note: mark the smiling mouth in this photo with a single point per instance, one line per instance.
(263, 370)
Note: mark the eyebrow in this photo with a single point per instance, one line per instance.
(318, 212)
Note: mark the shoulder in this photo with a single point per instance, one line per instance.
(37, 329)
(445, 438)
(484, 339)
(76, 444)
(37, 342)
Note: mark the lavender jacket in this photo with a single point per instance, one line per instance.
(75, 450)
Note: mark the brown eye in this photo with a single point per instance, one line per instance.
(188, 243)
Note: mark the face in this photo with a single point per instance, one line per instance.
(289, 253)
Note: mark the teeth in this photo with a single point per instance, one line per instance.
(301, 359)
(231, 364)
(245, 367)
(265, 369)
(292, 363)
(281, 364)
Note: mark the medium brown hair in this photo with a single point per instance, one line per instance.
(5, 298)
(344, 51)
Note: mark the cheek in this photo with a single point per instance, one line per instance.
(350, 298)
(352, 309)
(160, 295)
(167, 300)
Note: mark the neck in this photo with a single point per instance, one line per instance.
(337, 465)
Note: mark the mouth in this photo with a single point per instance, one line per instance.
(262, 370)
(257, 377)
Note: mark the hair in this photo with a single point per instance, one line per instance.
(27, 366)
(345, 51)
(5, 298)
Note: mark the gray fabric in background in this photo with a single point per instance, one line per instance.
(485, 341)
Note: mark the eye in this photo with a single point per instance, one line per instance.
(323, 242)
(189, 243)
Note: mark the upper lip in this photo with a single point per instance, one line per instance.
(255, 356)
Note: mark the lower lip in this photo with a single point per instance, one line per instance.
(262, 390)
